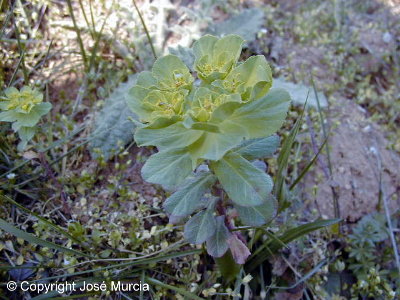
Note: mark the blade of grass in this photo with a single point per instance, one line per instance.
(304, 172)
(336, 206)
(283, 160)
(42, 62)
(91, 15)
(53, 145)
(139, 262)
(145, 29)
(10, 83)
(7, 18)
(385, 198)
(4, 225)
(302, 279)
(91, 30)
(142, 278)
(78, 34)
(173, 288)
(25, 18)
(290, 235)
(53, 294)
(50, 224)
(21, 50)
(97, 35)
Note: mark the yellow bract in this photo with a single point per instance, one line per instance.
(164, 104)
(206, 102)
(23, 100)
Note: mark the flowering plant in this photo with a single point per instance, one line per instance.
(210, 133)
(24, 109)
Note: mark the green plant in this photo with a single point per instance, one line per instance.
(210, 134)
(366, 258)
(112, 127)
(368, 232)
(24, 109)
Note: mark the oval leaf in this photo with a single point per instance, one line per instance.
(200, 227)
(173, 136)
(258, 148)
(245, 184)
(261, 117)
(187, 199)
(239, 250)
(258, 215)
(217, 244)
(167, 168)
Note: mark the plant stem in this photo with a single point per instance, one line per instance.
(145, 29)
(78, 34)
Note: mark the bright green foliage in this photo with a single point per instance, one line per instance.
(215, 57)
(24, 109)
(368, 252)
(208, 132)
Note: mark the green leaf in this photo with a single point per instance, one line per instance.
(260, 118)
(205, 127)
(258, 148)
(25, 134)
(245, 184)
(185, 54)
(245, 24)
(171, 73)
(146, 79)
(280, 189)
(258, 215)
(214, 146)
(35, 240)
(204, 46)
(200, 227)
(168, 168)
(112, 127)
(228, 267)
(134, 100)
(8, 116)
(188, 198)
(217, 244)
(252, 79)
(275, 244)
(172, 136)
(215, 57)
(26, 119)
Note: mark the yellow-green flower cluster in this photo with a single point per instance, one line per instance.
(21, 101)
(23, 109)
(169, 90)
(214, 113)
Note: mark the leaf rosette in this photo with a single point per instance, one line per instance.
(23, 109)
(161, 93)
(232, 102)
(224, 121)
